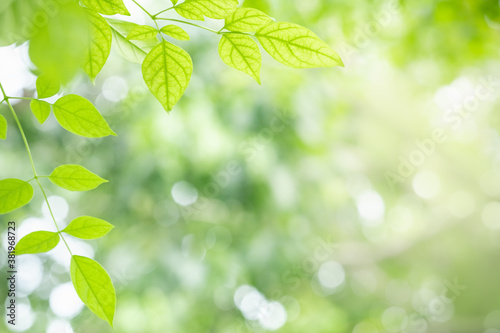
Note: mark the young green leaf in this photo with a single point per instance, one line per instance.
(94, 287)
(14, 193)
(99, 44)
(37, 242)
(40, 109)
(247, 20)
(242, 53)
(74, 177)
(296, 46)
(87, 227)
(142, 32)
(174, 2)
(175, 32)
(3, 127)
(47, 86)
(127, 49)
(197, 9)
(77, 115)
(167, 70)
(107, 7)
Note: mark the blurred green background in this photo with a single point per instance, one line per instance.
(362, 199)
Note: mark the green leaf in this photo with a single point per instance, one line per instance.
(247, 20)
(174, 2)
(142, 32)
(99, 45)
(37, 242)
(296, 46)
(77, 115)
(167, 70)
(175, 32)
(74, 177)
(242, 53)
(3, 127)
(46, 86)
(40, 109)
(87, 227)
(197, 9)
(14, 193)
(15, 19)
(107, 7)
(94, 287)
(56, 47)
(127, 49)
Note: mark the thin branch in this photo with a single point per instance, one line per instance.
(163, 11)
(35, 176)
(189, 23)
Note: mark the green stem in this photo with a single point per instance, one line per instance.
(148, 13)
(145, 11)
(26, 98)
(35, 176)
(185, 22)
(163, 11)
(52, 214)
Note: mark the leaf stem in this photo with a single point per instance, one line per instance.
(193, 24)
(35, 176)
(163, 11)
(145, 11)
(26, 98)
(155, 18)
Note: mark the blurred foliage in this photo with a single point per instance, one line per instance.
(302, 161)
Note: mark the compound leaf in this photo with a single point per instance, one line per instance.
(175, 32)
(247, 20)
(296, 46)
(167, 70)
(77, 115)
(37, 242)
(197, 9)
(87, 227)
(242, 53)
(99, 44)
(14, 193)
(107, 7)
(46, 86)
(40, 109)
(3, 127)
(74, 177)
(94, 287)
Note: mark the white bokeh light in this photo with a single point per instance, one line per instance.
(64, 301)
(24, 311)
(252, 304)
(59, 326)
(394, 319)
(60, 209)
(14, 70)
(184, 193)
(30, 272)
(273, 316)
(270, 315)
(491, 215)
(331, 275)
(371, 207)
(426, 184)
(115, 88)
(61, 255)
